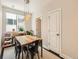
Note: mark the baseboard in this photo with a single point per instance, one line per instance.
(45, 47)
(62, 56)
(66, 56)
(54, 53)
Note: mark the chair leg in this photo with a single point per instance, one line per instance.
(27, 56)
(18, 55)
(38, 56)
(32, 56)
(15, 55)
(2, 52)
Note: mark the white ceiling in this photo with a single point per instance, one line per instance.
(19, 4)
(14, 1)
(15, 4)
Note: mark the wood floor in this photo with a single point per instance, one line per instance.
(9, 54)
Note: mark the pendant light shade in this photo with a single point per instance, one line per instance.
(27, 17)
(27, 14)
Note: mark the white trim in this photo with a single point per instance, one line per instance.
(45, 47)
(50, 11)
(66, 56)
(60, 29)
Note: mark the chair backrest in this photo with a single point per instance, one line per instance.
(17, 43)
(35, 46)
(17, 47)
(7, 34)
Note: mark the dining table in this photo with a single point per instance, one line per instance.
(28, 39)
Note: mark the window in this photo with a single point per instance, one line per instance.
(20, 19)
(14, 21)
(10, 21)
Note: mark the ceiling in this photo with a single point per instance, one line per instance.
(15, 4)
(14, 1)
(19, 4)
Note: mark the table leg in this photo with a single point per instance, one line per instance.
(41, 49)
(22, 51)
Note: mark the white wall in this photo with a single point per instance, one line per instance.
(69, 21)
(35, 8)
(0, 24)
(0, 19)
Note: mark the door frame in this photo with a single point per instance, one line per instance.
(60, 10)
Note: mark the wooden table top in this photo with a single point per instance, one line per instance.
(26, 39)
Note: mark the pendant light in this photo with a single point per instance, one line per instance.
(27, 14)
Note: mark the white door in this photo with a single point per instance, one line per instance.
(55, 30)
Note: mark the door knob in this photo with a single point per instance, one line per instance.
(57, 34)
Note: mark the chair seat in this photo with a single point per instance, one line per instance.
(7, 45)
(7, 42)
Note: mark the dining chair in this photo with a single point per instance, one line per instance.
(33, 49)
(6, 42)
(17, 50)
(26, 50)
